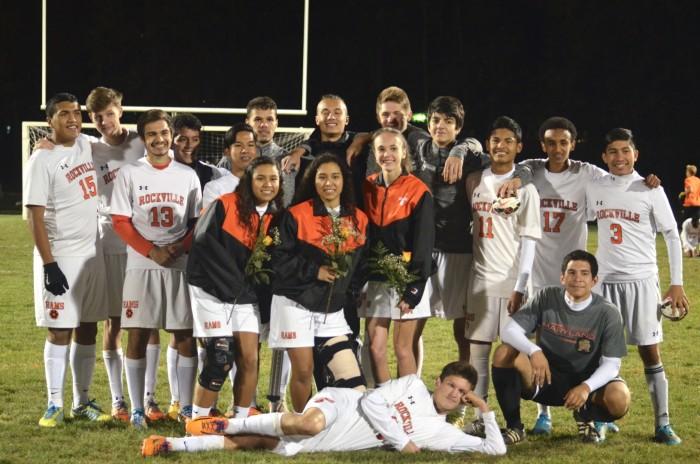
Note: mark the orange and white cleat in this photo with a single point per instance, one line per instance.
(154, 445)
(207, 426)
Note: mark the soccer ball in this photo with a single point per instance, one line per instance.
(669, 312)
(506, 206)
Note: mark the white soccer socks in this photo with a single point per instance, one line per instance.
(55, 362)
(151, 373)
(262, 424)
(135, 380)
(82, 363)
(196, 444)
(114, 364)
(658, 389)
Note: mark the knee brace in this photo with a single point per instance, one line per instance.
(217, 363)
(335, 363)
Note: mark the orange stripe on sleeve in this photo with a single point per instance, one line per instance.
(126, 231)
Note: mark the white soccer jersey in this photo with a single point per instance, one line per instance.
(159, 202)
(221, 186)
(690, 236)
(496, 238)
(563, 215)
(629, 215)
(63, 180)
(108, 160)
(401, 411)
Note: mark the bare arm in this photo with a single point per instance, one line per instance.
(38, 230)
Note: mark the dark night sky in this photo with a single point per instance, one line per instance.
(602, 64)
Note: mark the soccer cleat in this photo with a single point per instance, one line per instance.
(120, 412)
(206, 426)
(476, 428)
(174, 410)
(138, 419)
(587, 430)
(153, 412)
(543, 425)
(666, 435)
(185, 414)
(154, 446)
(513, 436)
(602, 428)
(90, 411)
(52, 417)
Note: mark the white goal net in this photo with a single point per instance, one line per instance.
(210, 150)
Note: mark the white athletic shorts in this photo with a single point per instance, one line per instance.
(294, 326)
(115, 270)
(448, 298)
(345, 429)
(83, 301)
(156, 299)
(486, 316)
(214, 318)
(638, 301)
(382, 302)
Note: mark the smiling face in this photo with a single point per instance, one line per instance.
(107, 121)
(66, 122)
(265, 183)
(329, 184)
(158, 139)
(242, 152)
(443, 129)
(558, 145)
(331, 118)
(392, 114)
(265, 124)
(186, 143)
(503, 146)
(450, 393)
(620, 157)
(578, 279)
(389, 152)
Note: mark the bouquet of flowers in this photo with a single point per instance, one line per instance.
(336, 243)
(393, 268)
(255, 268)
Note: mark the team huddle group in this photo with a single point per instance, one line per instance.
(394, 226)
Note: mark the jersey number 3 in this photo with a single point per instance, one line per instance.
(89, 187)
(162, 217)
(616, 234)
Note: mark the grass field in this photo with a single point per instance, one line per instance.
(23, 391)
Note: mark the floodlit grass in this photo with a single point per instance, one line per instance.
(23, 391)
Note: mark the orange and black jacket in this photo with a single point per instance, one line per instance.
(220, 250)
(401, 216)
(297, 259)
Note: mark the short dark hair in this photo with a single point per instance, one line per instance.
(152, 116)
(230, 135)
(261, 103)
(558, 122)
(580, 255)
(505, 122)
(460, 369)
(188, 121)
(619, 133)
(56, 99)
(449, 106)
